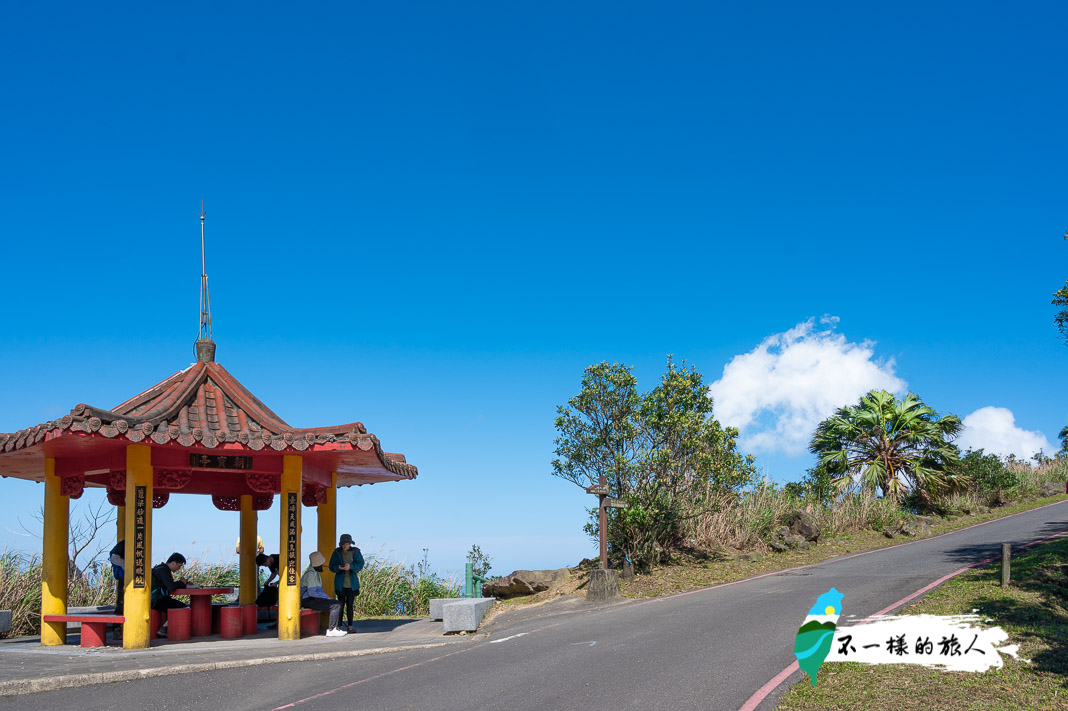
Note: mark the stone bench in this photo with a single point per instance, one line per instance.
(460, 614)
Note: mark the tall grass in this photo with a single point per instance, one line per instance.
(386, 587)
(745, 520)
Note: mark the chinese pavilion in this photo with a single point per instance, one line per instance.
(197, 432)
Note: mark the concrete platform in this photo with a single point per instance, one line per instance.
(27, 667)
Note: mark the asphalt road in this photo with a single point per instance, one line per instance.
(710, 649)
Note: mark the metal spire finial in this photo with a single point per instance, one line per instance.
(205, 346)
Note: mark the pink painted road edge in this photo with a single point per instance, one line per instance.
(762, 693)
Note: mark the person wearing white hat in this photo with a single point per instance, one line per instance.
(313, 597)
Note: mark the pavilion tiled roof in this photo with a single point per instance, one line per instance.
(204, 406)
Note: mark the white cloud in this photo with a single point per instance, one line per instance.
(780, 391)
(994, 430)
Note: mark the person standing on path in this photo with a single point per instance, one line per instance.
(345, 563)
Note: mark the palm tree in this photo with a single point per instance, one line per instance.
(902, 447)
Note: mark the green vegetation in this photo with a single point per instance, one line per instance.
(900, 447)
(481, 564)
(1034, 613)
(1060, 298)
(663, 453)
(688, 494)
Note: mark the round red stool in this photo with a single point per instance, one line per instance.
(231, 623)
(249, 617)
(309, 623)
(153, 624)
(179, 624)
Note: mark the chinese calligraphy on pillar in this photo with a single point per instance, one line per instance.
(140, 513)
(291, 538)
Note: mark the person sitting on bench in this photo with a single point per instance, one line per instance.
(268, 597)
(313, 597)
(163, 584)
(118, 567)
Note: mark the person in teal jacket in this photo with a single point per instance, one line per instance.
(345, 562)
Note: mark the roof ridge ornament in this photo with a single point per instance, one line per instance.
(205, 346)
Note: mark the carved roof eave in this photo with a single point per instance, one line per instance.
(163, 420)
(286, 442)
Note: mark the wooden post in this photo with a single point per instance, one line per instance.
(603, 520)
(1006, 552)
(289, 536)
(327, 540)
(137, 598)
(249, 569)
(54, 559)
(601, 490)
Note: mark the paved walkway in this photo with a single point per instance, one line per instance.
(27, 667)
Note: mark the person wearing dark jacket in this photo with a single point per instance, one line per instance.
(345, 562)
(118, 571)
(163, 584)
(118, 568)
(268, 597)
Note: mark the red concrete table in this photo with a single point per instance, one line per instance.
(200, 602)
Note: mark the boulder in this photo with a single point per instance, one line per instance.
(1051, 488)
(797, 542)
(802, 524)
(982, 509)
(751, 557)
(777, 546)
(524, 582)
(912, 529)
(929, 520)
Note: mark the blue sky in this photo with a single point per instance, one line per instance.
(431, 218)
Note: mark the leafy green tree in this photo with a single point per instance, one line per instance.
(481, 564)
(1060, 298)
(819, 486)
(1063, 436)
(597, 433)
(986, 472)
(902, 447)
(664, 454)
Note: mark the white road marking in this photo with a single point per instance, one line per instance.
(588, 644)
(521, 634)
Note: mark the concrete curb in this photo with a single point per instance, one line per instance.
(19, 687)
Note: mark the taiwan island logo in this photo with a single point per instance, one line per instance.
(951, 642)
(816, 636)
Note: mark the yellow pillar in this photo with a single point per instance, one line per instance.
(327, 515)
(138, 595)
(289, 536)
(54, 558)
(248, 552)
